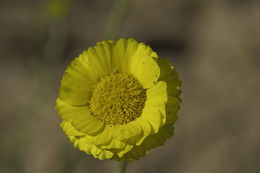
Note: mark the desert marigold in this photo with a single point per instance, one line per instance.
(118, 100)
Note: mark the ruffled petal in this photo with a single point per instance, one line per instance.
(84, 72)
(169, 75)
(66, 111)
(152, 141)
(86, 147)
(87, 123)
(99, 58)
(124, 150)
(94, 150)
(76, 84)
(104, 138)
(144, 67)
(128, 133)
(114, 145)
(154, 109)
(105, 154)
(137, 59)
(172, 107)
(158, 139)
(80, 117)
(123, 52)
(104, 141)
(69, 130)
(146, 128)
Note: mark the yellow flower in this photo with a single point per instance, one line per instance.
(118, 100)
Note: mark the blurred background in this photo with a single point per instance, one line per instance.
(214, 45)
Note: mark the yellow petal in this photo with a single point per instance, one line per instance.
(105, 137)
(68, 112)
(69, 130)
(169, 75)
(105, 140)
(99, 58)
(106, 50)
(172, 107)
(87, 123)
(154, 109)
(143, 66)
(94, 150)
(114, 145)
(85, 71)
(152, 141)
(158, 139)
(125, 150)
(146, 128)
(119, 138)
(134, 132)
(76, 84)
(134, 154)
(137, 59)
(122, 52)
(80, 117)
(105, 154)
(84, 146)
(128, 133)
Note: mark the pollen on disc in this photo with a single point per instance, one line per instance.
(118, 99)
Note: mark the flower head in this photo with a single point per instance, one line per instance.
(118, 100)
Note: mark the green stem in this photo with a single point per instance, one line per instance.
(121, 167)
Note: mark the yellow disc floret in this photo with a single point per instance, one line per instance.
(118, 99)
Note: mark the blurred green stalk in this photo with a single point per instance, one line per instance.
(116, 19)
(121, 167)
(56, 13)
(56, 42)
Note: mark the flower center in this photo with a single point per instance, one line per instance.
(118, 99)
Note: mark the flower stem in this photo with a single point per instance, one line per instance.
(121, 167)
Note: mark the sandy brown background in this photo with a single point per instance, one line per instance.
(213, 44)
